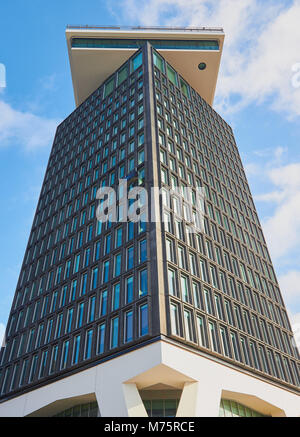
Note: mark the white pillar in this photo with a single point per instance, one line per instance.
(208, 398)
(292, 410)
(110, 398)
(134, 403)
(199, 399)
(188, 400)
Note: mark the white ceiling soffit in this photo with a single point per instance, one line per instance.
(91, 66)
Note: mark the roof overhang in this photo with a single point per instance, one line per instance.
(91, 66)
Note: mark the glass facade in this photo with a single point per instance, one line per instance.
(84, 288)
(161, 407)
(84, 410)
(137, 43)
(235, 309)
(234, 409)
(89, 289)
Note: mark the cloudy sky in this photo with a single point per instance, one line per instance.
(258, 93)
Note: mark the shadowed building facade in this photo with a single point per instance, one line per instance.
(119, 318)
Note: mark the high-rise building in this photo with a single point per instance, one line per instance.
(155, 316)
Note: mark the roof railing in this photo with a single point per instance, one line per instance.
(162, 28)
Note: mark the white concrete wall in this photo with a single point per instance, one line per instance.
(215, 378)
(115, 384)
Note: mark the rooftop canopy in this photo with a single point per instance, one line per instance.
(95, 52)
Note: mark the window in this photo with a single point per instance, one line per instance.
(73, 290)
(184, 88)
(58, 325)
(185, 288)
(103, 303)
(64, 355)
(101, 338)
(24, 372)
(92, 305)
(236, 349)
(136, 62)
(108, 87)
(143, 320)
(53, 363)
(143, 283)
(114, 332)
(254, 355)
(116, 296)
(233, 409)
(172, 282)
(130, 258)
(197, 295)
(143, 250)
(181, 257)
(175, 327)
(87, 255)
(203, 269)
(76, 263)
(225, 342)
(158, 62)
(94, 278)
(128, 329)
(193, 264)
(107, 244)
(214, 277)
(170, 250)
(213, 336)
(76, 349)
(83, 284)
(119, 237)
(201, 331)
(88, 344)
(172, 76)
(105, 271)
(188, 325)
(118, 262)
(208, 301)
(122, 75)
(33, 368)
(218, 302)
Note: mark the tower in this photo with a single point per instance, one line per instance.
(155, 316)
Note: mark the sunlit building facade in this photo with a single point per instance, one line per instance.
(153, 317)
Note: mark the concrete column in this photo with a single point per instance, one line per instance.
(208, 400)
(292, 410)
(119, 400)
(188, 400)
(199, 399)
(110, 398)
(134, 403)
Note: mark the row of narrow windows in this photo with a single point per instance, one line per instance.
(163, 408)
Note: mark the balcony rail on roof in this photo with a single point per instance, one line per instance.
(160, 28)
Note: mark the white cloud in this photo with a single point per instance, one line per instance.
(282, 225)
(274, 196)
(2, 333)
(290, 286)
(288, 177)
(261, 45)
(295, 322)
(282, 229)
(252, 169)
(24, 128)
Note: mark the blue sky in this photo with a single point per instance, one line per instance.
(258, 94)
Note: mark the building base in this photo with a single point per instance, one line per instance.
(123, 386)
